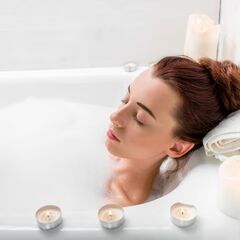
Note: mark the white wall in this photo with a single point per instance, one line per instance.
(42, 34)
(230, 35)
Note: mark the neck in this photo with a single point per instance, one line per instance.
(134, 179)
(146, 171)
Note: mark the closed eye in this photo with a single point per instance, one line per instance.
(134, 116)
(123, 101)
(138, 122)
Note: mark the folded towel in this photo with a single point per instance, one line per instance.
(224, 140)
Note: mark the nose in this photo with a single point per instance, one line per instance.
(116, 120)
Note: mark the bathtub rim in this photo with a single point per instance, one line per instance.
(57, 75)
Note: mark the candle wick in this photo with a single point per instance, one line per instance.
(182, 211)
(110, 214)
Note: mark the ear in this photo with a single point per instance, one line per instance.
(179, 148)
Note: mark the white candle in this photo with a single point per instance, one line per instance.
(201, 37)
(48, 217)
(229, 187)
(183, 215)
(130, 67)
(111, 216)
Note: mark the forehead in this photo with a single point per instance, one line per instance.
(155, 93)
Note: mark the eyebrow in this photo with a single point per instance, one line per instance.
(143, 106)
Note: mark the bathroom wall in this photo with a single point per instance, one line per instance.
(44, 34)
(230, 39)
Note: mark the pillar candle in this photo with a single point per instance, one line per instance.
(201, 37)
(229, 187)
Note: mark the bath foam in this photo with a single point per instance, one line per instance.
(52, 152)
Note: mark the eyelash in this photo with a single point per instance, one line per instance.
(138, 122)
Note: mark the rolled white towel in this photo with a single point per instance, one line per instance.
(224, 140)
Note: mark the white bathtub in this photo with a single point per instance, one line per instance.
(146, 221)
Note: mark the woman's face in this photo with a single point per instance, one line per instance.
(144, 122)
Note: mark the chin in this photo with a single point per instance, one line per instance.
(114, 150)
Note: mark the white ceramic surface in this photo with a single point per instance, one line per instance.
(146, 221)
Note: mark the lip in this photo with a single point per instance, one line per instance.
(112, 136)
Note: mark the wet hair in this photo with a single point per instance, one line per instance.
(209, 91)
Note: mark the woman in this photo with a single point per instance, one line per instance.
(167, 111)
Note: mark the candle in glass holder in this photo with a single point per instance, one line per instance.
(229, 187)
(183, 215)
(48, 217)
(111, 216)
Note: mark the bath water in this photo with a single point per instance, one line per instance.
(52, 152)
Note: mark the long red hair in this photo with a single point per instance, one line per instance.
(209, 90)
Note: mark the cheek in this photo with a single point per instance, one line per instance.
(145, 141)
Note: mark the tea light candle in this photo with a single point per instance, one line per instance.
(183, 215)
(229, 187)
(48, 217)
(111, 216)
